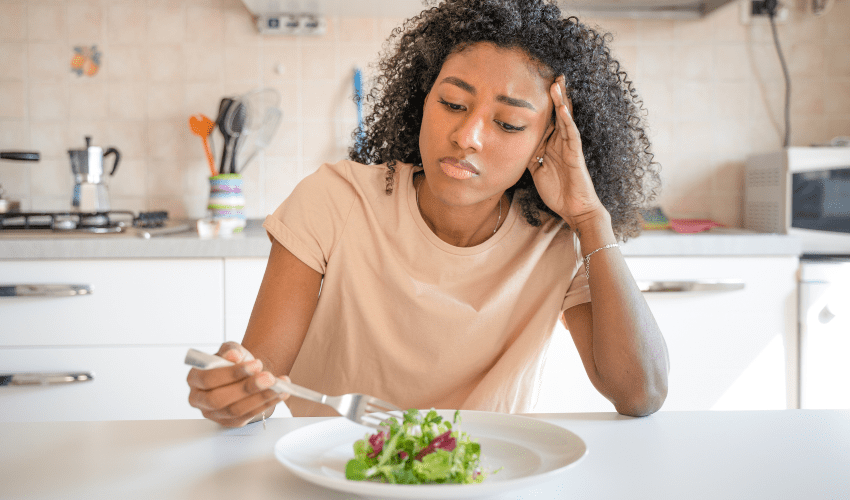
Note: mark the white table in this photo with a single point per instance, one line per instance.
(787, 454)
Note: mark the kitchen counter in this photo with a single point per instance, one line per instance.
(718, 241)
(786, 454)
(254, 242)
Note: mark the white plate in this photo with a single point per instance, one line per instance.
(528, 450)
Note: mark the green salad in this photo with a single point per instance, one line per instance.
(417, 450)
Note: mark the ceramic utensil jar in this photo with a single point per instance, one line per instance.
(227, 203)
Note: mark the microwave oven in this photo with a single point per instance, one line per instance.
(803, 192)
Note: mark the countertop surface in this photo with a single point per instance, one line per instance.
(784, 454)
(16, 244)
(254, 242)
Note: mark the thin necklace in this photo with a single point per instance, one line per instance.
(420, 207)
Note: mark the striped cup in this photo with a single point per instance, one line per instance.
(226, 199)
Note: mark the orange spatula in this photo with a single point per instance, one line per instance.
(202, 126)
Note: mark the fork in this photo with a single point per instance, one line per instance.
(359, 408)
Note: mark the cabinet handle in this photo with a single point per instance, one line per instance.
(690, 286)
(44, 378)
(28, 290)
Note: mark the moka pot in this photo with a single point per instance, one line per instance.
(90, 190)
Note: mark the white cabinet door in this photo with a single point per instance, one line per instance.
(133, 302)
(242, 278)
(729, 350)
(130, 383)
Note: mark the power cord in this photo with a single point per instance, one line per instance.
(771, 6)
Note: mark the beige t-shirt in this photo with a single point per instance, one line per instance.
(406, 317)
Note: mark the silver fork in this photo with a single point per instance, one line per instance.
(359, 408)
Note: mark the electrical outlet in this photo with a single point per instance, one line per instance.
(290, 24)
(754, 11)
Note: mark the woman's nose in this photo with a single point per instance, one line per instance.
(469, 133)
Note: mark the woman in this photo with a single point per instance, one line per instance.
(503, 159)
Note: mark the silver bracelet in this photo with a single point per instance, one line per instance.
(587, 259)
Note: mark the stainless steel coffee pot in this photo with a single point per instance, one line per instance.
(90, 190)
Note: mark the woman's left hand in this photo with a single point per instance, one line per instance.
(563, 181)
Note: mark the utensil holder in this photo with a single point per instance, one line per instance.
(227, 202)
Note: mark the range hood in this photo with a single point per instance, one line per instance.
(630, 9)
(643, 9)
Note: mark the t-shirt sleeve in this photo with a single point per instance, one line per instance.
(579, 291)
(312, 219)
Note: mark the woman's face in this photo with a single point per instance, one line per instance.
(483, 122)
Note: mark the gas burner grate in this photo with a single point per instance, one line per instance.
(95, 222)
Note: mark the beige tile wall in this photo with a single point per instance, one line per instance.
(713, 90)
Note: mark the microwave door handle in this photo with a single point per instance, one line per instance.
(690, 286)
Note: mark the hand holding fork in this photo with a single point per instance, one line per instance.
(360, 408)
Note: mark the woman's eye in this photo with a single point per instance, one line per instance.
(451, 106)
(510, 128)
(459, 107)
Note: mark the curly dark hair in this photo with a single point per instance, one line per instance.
(606, 107)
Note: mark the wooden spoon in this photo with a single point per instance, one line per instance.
(202, 126)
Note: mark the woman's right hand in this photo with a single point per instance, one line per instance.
(234, 395)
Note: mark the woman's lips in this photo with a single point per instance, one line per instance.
(458, 169)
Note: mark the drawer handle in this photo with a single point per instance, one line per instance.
(42, 290)
(690, 286)
(44, 378)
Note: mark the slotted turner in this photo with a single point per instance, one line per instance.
(359, 408)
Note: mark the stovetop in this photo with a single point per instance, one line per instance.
(115, 221)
